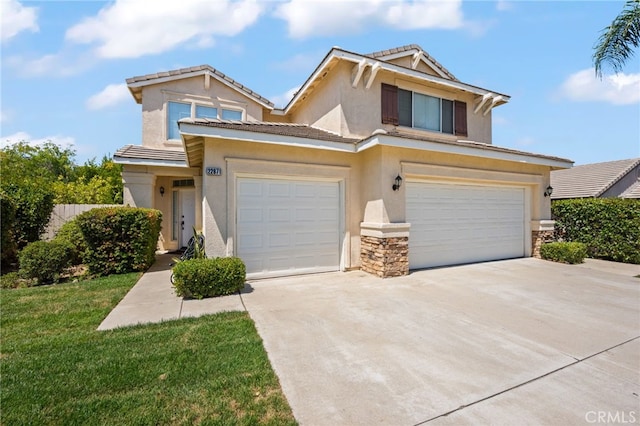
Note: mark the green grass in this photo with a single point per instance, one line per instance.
(57, 369)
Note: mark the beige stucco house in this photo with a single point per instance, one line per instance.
(381, 161)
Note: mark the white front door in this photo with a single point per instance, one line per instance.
(287, 227)
(454, 224)
(187, 215)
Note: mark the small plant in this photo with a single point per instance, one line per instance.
(13, 280)
(564, 252)
(44, 261)
(199, 278)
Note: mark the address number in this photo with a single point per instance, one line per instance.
(214, 171)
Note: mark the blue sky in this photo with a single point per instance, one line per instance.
(64, 64)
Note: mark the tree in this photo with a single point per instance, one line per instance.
(616, 43)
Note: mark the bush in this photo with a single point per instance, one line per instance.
(70, 233)
(12, 280)
(564, 252)
(119, 239)
(198, 278)
(8, 249)
(610, 227)
(44, 261)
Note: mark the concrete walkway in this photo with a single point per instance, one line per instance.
(153, 299)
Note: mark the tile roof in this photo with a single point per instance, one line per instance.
(474, 144)
(407, 48)
(137, 152)
(283, 129)
(589, 180)
(199, 68)
(632, 192)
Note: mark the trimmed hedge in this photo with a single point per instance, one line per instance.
(71, 233)
(199, 278)
(564, 252)
(44, 261)
(610, 227)
(119, 239)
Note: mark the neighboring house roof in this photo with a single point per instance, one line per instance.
(632, 192)
(589, 180)
(135, 84)
(136, 154)
(418, 53)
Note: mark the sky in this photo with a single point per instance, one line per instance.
(64, 64)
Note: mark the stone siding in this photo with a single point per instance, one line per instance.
(538, 238)
(385, 257)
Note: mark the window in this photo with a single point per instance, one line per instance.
(229, 114)
(206, 112)
(177, 111)
(412, 109)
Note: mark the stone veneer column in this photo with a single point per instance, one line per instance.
(384, 249)
(542, 231)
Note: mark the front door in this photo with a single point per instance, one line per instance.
(187, 215)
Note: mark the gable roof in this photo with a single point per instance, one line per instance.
(366, 68)
(633, 191)
(136, 84)
(418, 53)
(141, 155)
(589, 180)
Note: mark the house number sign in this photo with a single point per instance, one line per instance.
(214, 171)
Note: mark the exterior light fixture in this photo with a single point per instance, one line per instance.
(548, 191)
(396, 185)
(162, 191)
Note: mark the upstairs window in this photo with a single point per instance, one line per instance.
(406, 108)
(179, 110)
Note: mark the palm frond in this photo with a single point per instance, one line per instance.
(617, 42)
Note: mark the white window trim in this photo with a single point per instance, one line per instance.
(199, 101)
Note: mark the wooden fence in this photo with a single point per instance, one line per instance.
(62, 213)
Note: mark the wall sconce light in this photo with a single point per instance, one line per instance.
(396, 185)
(162, 191)
(548, 191)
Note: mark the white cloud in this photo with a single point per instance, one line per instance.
(62, 141)
(525, 141)
(130, 29)
(16, 18)
(111, 95)
(282, 100)
(504, 5)
(334, 17)
(61, 64)
(584, 86)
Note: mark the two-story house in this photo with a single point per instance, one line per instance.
(381, 161)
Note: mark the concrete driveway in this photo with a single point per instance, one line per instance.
(521, 341)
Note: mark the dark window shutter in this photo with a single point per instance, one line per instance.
(389, 104)
(461, 118)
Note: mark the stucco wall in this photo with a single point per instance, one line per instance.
(192, 90)
(366, 179)
(336, 106)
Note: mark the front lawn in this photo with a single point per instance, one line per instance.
(57, 369)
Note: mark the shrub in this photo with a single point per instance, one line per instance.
(44, 261)
(119, 239)
(12, 280)
(610, 227)
(70, 233)
(198, 278)
(8, 247)
(564, 252)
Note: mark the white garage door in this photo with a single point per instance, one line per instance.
(287, 227)
(455, 224)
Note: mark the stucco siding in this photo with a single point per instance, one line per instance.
(190, 90)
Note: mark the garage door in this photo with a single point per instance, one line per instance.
(455, 224)
(287, 227)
